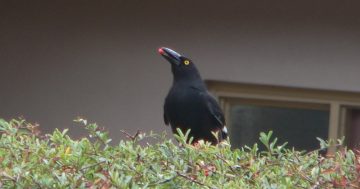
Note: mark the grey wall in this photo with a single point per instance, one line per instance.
(61, 59)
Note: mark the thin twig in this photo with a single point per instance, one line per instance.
(164, 181)
(93, 165)
(227, 163)
(8, 177)
(190, 179)
(193, 180)
(36, 182)
(132, 137)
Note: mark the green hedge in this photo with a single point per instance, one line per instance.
(31, 160)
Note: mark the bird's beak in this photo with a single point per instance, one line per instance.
(170, 55)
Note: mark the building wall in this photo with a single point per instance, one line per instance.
(62, 59)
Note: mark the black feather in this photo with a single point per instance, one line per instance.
(189, 105)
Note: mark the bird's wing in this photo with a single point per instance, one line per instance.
(214, 108)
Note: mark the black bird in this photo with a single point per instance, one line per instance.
(188, 104)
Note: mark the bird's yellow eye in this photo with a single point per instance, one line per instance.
(186, 62)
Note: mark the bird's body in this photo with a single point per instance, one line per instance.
(189, 105)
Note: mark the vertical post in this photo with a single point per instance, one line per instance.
(344, 113)
(334, 125)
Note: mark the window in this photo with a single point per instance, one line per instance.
(290, 122)
(352, 126)
(296, 115)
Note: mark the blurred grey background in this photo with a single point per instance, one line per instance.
(98, 59)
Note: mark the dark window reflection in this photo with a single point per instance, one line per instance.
(353, 129)
(299, 127)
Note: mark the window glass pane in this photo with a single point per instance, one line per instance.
(353, 128)
(298, 126)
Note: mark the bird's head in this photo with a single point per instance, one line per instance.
(181, 66)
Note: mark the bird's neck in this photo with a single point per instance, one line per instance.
(187, 77)
(195, 82)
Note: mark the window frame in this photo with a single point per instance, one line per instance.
(337, 100)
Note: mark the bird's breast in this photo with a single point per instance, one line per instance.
(184, 107)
